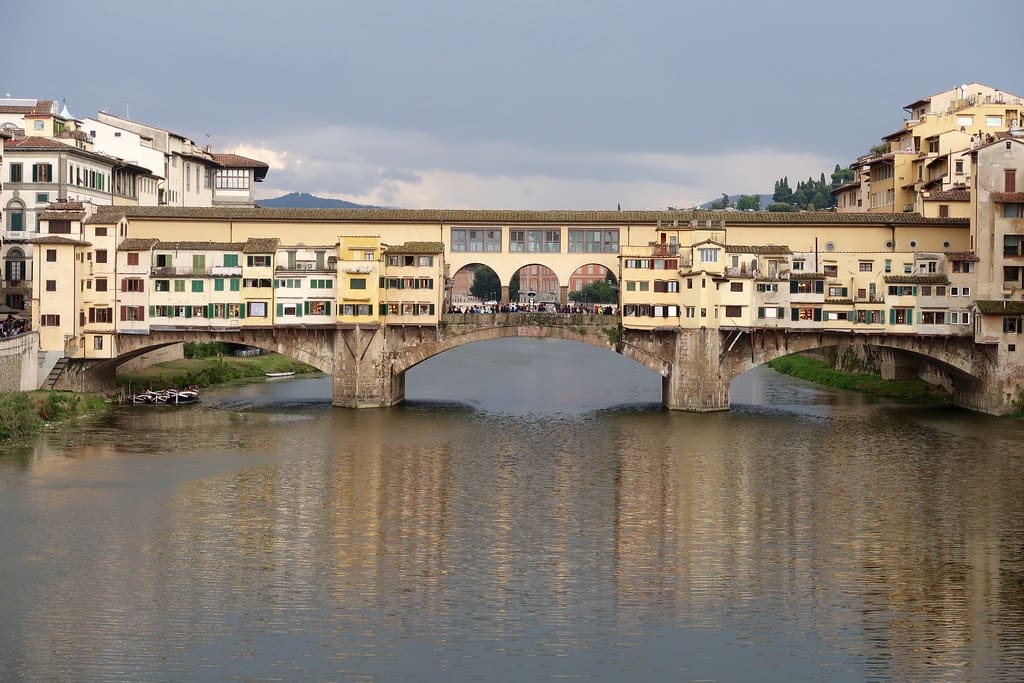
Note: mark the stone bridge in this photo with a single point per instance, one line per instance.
(368, 363)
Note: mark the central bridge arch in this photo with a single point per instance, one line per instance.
(459, 330)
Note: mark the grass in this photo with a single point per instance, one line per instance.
(205, 372)
(820, 372)
(24, 413)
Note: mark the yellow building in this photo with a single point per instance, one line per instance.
(929, 153)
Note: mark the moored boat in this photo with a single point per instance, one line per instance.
(277, 375)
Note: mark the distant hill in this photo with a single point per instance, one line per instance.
(766, 199)
(304, 200)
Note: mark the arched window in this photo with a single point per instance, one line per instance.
(14, 264)
(15, 215)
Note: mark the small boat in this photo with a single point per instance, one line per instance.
(277, 375)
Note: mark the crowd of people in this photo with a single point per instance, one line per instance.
(12, 326)
(543, 307)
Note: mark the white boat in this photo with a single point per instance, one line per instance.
(276, 375)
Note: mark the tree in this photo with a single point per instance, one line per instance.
(600, 292)
(486, 284)
(781, 206)
(722, 203)
(782, 191)
(748, 202)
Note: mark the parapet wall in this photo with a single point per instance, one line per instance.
(19, 362)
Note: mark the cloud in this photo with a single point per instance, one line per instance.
(409, 169)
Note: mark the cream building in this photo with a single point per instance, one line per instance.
(930, 153)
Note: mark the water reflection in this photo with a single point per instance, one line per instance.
(802, 536)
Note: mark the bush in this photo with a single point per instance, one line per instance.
(204, 349)
(17, 415)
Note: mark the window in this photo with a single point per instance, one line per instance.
(51, 285)
(230, 260)
(424, 261)
(256, 282)
(101, 256)
(42, 173)
(49, 320)
(133, 313)
(16, 172)
(593, 241)
(831, 270)
(101, 284)
(232, 179)
(837, 291)
(735, 286)
(257, 309)
(179, 285)
(708, 255)
(733, 311)
(133, 284)
(767, 287)
(162, 286)
(1009, 180)
(798, 265)
(101, 315)
(59, 227)
(15, 217)
(959, 167)
(197, 286)
(258, 260)
(476, 240)
(42, 197)
(943, 210)
(965, 120)
(357, 283)
(866, 266)
(133, 258)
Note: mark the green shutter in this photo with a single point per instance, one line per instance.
(152, 311)
(794, 314)
(817, 314)
(298, 311)
(328, 308)
(794, 287)
(782, 312)
(280, 310)
(305, 307)
(235, 282)
(218, 285)
(431, 309)
(760, 311)
(188, 311)
(209, 311)
(892, 316)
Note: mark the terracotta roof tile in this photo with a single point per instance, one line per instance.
(199, 246)
(238, 161)
(416, 248)
(1007, 197)
(137, 244)
(962, 256)
(57, 239)
(766, 249)
(806, 276)
(949, 196)
(1000, 307)
(61, 215)
(459, 217)
(261, 245)
(917, 279)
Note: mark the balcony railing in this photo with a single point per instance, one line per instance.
(188, 271)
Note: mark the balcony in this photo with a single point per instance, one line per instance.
(188, 271)
(661, 249)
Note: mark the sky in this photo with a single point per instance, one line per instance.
(528, 104)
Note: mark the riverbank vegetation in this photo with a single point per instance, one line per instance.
(207, 364)
(24, 413)
(820, 372)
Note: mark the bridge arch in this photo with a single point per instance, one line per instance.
(600, 331)
(313, 347)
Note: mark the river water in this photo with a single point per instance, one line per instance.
(530, 513)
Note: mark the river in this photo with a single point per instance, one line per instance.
(529, 514)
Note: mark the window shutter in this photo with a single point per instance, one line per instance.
(241, 311)
(152, 311)
(35, 173)
(782, 312)
(794, 286)
(280, 310)
(794, 314)
(892, 316)
(817, 314)
(819, 286)
(760, 311)
(209, 311)
(298, 311)
(431, 309)
(188, 311)
(124, 313)
(327, 308)
(305, 307)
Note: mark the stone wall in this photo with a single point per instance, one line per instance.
(19, 362)
(160, 355)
